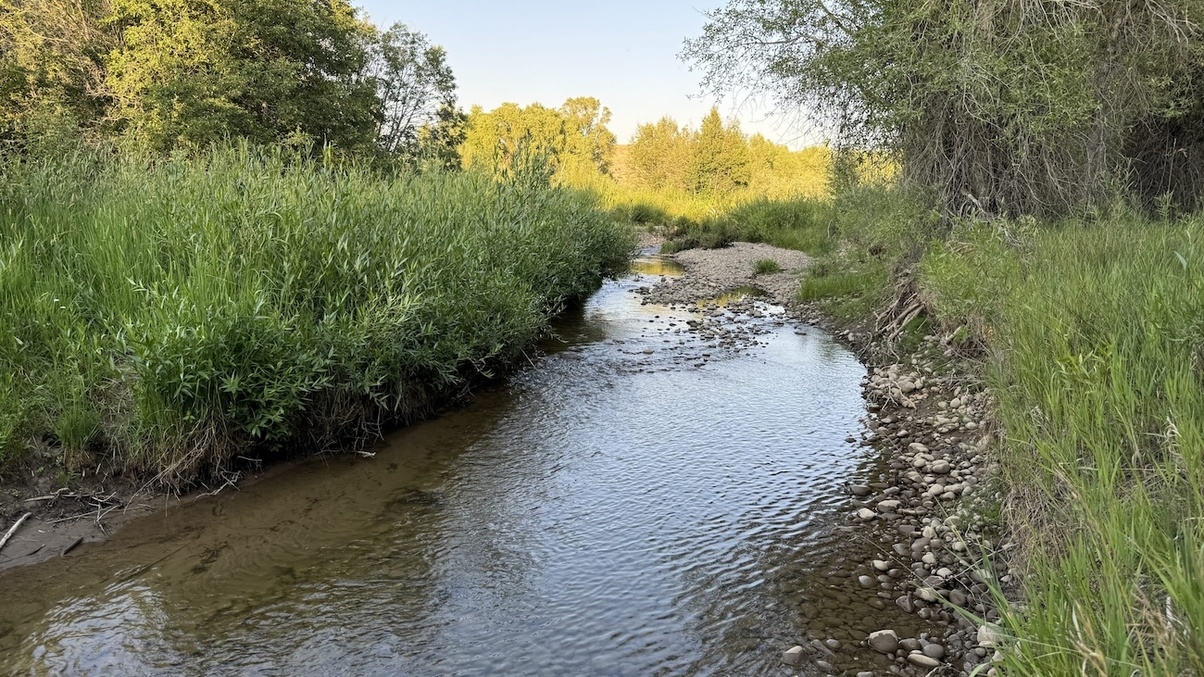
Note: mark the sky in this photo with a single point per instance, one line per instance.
(622, 52)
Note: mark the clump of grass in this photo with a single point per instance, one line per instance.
(847, 293)
(766, 267)
(171, 313)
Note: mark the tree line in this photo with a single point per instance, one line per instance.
(573, 145)
(170, 74)
(717, 159)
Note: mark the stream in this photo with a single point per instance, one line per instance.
(639, 500)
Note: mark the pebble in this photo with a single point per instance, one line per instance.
(884, 641)
(989, 635)
(922, 661)
(793, 656)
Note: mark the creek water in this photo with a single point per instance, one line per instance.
(636, 501)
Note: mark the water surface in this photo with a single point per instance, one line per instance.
(635, 502)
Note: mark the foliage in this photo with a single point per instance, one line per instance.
(1002, 108)
(658, 156)
(166, 74)
(195, 71)
(571, 141)
(161, 315)
(52, 80)
(415, 88)
(719, 161)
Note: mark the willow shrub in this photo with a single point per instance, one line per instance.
(1096, 333)
(164, 315)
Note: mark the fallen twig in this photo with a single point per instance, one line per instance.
(61, 493)
(71, 547)
(13, 529)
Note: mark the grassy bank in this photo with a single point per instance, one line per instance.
(1093, 337)
(161, 316)
(1095, 333)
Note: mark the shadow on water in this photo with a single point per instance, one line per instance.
(638, 501)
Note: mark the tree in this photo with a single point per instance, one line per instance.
(660, 154)
(195, 71)
(439, 141)
(571, 141)
(719, 162)
(588, 138)
(51, 67)
(1000, 107)
(414, 84)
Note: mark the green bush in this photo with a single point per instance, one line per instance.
(175, 312)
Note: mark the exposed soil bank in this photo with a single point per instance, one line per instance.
(924, 507)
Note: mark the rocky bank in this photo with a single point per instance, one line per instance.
(937, 557)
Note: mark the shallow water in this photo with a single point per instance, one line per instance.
(635, 502)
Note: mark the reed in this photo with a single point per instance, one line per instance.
(162, 315)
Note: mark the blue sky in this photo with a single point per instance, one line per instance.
(622, 52)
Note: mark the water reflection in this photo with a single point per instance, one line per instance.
(620, 508)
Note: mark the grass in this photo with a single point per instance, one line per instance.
(162, 315)
(766, 267)
(1096, 333)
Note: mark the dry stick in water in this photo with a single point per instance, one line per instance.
(13, 530)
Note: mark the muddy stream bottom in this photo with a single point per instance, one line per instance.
(641, 500)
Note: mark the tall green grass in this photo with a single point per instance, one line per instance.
(1097, 338)
(162, 315)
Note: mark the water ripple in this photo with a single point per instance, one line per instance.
(615, 510)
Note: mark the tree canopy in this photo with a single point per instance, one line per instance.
(1001, 107)
(572, 141)
(170, 73)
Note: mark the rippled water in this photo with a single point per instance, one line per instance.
(636, 502)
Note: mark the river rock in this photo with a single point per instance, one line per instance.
(940, 467)
(865, 514)
(934, 650)
(922, 661)
(888, 506)
(989, 635)
(884, 641)
(793, 656)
